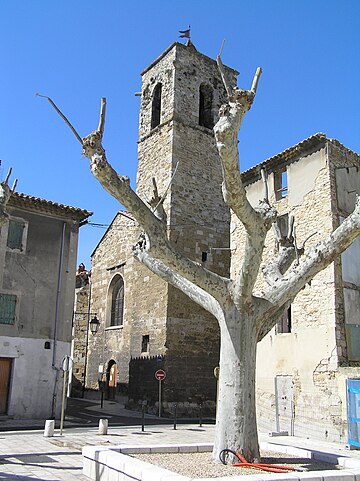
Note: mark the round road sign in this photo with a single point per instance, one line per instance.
(160, 374)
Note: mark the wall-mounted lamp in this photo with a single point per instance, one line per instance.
(94, 325)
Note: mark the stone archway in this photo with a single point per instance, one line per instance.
(111, 379)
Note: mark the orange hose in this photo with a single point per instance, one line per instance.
(272, 468)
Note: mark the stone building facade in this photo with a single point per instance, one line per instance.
(180, 99)
(38, 248)
(304, 363)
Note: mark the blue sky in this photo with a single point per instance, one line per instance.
(78, 51)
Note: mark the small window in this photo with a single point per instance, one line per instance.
(15, 235)
(145, 344)
(117, 303)
(280, 184)
(204, 256)
(284, 325)
(282, 223)
(205, 106)
(156, 107)
(7, 308)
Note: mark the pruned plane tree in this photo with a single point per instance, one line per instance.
(243, 316)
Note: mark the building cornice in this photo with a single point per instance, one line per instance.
(47, 207)
(292, 154)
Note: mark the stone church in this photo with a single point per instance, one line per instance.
(145, 323)
(307, 363)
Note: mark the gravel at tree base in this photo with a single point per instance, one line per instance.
(200, 465)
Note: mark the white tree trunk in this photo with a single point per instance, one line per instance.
(236, 409)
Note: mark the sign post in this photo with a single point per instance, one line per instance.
(160, 375)
(66, 366)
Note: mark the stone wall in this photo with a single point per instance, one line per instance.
(78, 345)
(316, 346)
(198, 221)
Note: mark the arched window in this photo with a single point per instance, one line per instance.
(205, 106)
(117, 302)
(156, 107)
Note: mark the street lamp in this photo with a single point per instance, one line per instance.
(94, 325)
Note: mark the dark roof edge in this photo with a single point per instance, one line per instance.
(124, 213)
(292, 154)
(24, 201)
(178, 44)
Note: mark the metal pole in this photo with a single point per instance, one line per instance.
(142, 417)
(63, 400)
(159, 398)
(175, 415)
(200, 415)
(277, 413)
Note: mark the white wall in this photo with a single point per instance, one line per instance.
(33, 377)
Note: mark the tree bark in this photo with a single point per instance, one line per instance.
(236, 427)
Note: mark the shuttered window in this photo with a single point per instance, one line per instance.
(7, 308)
(15, 235)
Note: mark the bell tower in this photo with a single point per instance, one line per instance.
(182, 92)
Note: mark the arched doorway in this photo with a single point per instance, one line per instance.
(111, 379)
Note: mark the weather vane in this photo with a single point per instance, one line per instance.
(185, 33)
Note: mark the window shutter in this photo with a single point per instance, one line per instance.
(15, 235)
(7, 308)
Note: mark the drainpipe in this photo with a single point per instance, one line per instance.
(56, 321)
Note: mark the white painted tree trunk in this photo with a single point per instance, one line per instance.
(236, 412)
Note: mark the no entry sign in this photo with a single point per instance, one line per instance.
(160, 375)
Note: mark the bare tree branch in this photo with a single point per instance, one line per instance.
(256, 221)
(273, 315)
(119, 187)
(194, 292)
(156, 203)
(242, 286)
(102, 116)
(317, 258)
(287, 251)
(256, 79)
(5, 194)
(228, 88)
(62, 116)
(6, 181)
(160, 248)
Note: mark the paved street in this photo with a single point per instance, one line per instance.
(27, 455)
(87, 412)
